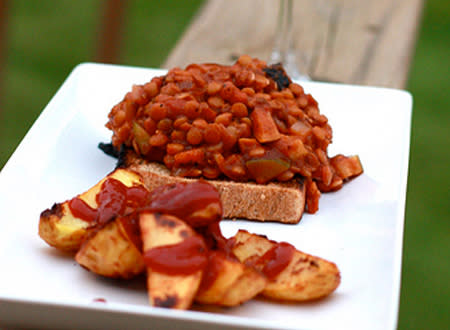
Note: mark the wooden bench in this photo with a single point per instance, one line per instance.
(369, 43)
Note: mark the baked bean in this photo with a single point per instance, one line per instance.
(123, 131)
(229, 137)
(228, 90)
(198, 79)
(215, 102)
(185, 126)
(213, 87)
(276, 95)
(207, 113)
(302, 101)
(212, 134)
(165, 125)
(119, 118)
(200, 123)
(245, 78)
(261, 82)
(219, 160)
(239, 110)
(215, 148)
(248, 91)
(247, 121)
(244, 60)
(151, 88)
(189, 157)
(311, 100)
(158, 140)
(130, 110)
(170, 89)
(224, 118)
(191, 109)
(137, 95)
(327, 174)
(180, 121)
(158, 111)
(169, 161)
(174, 148)
(244, 130)
(150, 125)
(285, 176)
(239, 96)
(211, 172)
(179, 136)
(276, 104)
(194, 136)
(296, 89)
(287, 94)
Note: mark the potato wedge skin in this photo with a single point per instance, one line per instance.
(233, 282)
(109, 252)
(248, 285)
(305, 278)
(170, 291)
(62, 230)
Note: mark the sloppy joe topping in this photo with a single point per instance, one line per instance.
(246, 121)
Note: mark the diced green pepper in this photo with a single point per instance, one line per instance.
(264, 170)
(141, 137)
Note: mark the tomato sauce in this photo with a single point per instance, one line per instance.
(198, 204)
(277, 259)
(112, 200)
(190, 202)
(184, 258)
(214, 267)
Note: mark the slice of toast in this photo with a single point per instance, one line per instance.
(281, 202)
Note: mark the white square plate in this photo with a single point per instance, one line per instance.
(360, 227)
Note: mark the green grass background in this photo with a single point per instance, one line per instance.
(46, 39)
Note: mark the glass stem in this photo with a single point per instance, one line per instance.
(284, 50)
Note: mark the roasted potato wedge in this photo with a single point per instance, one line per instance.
(228, 282)
(305, 278)
(110, 252)
(62, 230)
(166, 290)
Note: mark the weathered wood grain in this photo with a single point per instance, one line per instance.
(367, 42)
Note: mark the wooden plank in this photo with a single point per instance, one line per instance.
(111, 31)
(367, 42)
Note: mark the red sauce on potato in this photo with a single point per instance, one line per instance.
(277, 259)
(184, 258)
(112, 200)
(197, 203)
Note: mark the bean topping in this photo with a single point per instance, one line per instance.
(245, 122)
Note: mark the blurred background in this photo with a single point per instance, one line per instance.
(44, 40)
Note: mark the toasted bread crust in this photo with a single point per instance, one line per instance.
(281, 202)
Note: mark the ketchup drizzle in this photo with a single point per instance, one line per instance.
(112, 200)
(184, 200)
(205, 250)
(184, 258)
(80, 209)
(276, 259)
